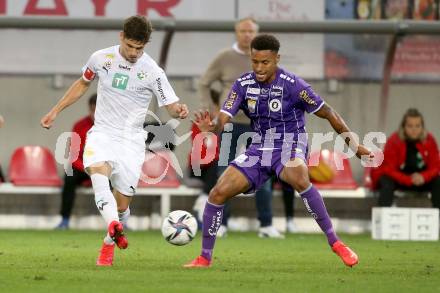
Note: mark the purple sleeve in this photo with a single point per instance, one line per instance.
(310, 100)
(233, 101)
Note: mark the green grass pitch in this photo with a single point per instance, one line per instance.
(64, 261)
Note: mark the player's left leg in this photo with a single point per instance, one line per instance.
(296, 174)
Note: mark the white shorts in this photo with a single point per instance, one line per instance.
(124, 156)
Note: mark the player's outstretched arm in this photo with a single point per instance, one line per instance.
(203, 121)
(339, 125)
(177, 110)
(2, 121)
(76, 90)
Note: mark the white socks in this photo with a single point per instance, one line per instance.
(123, 217)
(104, 198)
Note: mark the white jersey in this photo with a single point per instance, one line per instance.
(125, 90)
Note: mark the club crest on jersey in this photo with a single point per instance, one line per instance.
(305, 96)
(107, 65)
(141, 75)
(275, 105)
(265, 91)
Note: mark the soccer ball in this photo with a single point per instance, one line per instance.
(179, 228)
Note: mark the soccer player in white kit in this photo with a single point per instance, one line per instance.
(115, 147)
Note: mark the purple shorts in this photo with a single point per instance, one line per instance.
(258, 164)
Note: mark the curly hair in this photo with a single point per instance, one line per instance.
(265, 42)
(138, 28)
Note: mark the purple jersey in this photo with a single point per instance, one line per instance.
(279, 105)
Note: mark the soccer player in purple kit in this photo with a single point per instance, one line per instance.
(275, 100)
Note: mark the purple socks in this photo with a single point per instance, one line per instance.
(316, 207)
(212, 219)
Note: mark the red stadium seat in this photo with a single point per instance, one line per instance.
(157, 171)
(367, 178)
(33, 166)
(342, 179)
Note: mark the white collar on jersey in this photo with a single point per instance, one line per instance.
(237, 49)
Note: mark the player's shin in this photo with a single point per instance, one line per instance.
(316, 207)
(212, 219)
(104, 198)
(123, 217)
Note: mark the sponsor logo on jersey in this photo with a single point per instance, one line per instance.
(138, 89)
(141, 75)
(305, 96)
(120, 81)
(125, 67)
(230, 101)
(255, 91)
(88, 152)
(276, 92)
(275, 105)
(89, 74)
(160, 89)
(110, 56)
(251, 105)
(246, 82)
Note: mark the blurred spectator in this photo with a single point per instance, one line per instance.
(208, 171)
(411, 162)
(225, 69)
(81, 127)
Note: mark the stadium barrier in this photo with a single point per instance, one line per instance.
(166, 194)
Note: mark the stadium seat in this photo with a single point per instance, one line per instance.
(155, 166)
(367, 178)
(342, 179)
(33, 166)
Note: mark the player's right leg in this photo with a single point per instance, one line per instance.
(107, 206)
(230, 183)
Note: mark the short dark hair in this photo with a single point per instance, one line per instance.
(265, 42)
(413, 113)
(92, 100)
(138, 28)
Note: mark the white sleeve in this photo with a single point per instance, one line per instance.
(90, 68)
(162, 89)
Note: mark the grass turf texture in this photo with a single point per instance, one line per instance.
(64, 261)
